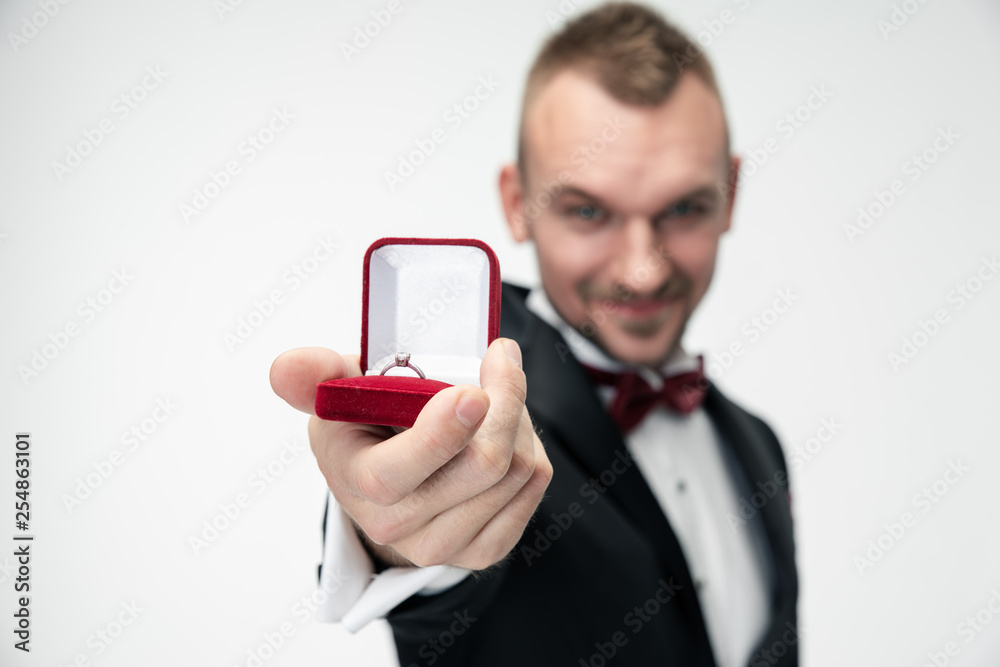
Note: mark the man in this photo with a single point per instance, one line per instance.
(641, 548)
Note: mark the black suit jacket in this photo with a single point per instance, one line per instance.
(598, 576)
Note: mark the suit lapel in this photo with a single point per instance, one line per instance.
(562, 398)
(759, 464)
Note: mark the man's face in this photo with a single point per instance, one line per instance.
(625, 205)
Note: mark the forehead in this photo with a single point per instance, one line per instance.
(627, 154)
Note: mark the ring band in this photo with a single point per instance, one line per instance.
(403, 360)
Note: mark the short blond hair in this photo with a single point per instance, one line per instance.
(630, 50)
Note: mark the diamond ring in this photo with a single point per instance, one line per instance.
(403, 359)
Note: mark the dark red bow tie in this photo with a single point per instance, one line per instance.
(634, 398)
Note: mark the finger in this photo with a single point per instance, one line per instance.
(503, 380)
(455, 484)
(386, 474)
(498, 523)
(503, 531)
(295, 374)
(459, 523)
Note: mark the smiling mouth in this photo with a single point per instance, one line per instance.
(642, 308)
(648, 310)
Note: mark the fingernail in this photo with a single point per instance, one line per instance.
(513, 351)
(470, 409)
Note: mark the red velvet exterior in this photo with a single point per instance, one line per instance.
(390, 400)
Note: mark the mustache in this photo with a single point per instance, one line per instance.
(677, 286)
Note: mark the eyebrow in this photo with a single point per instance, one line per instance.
(702, 192)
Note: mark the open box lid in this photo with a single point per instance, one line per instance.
(436, 299)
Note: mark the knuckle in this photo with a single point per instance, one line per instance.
(543, 471)
(383, 530)
(436, 445)
(373, 488)
(522, 467)
(490, 462)
(427, 555)
(478, 562)
(420, 560)
(480, 557)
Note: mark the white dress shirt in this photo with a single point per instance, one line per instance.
(688, 470)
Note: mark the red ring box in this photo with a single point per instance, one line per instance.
(436, 299)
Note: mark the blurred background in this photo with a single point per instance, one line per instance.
(188, 189)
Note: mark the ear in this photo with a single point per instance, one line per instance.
(734, 175)
(512, 197)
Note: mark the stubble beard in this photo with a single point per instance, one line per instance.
(679, 288)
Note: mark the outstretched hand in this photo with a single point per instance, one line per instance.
(458, 488)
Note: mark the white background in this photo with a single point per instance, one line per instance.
(162, 337)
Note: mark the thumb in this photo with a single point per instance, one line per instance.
(295, 374)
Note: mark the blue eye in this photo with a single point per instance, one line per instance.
(683, 215)
(682, 209)
(588, 212)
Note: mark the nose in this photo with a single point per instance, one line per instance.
(643, 265)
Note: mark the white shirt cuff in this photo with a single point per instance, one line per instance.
(354, 595)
